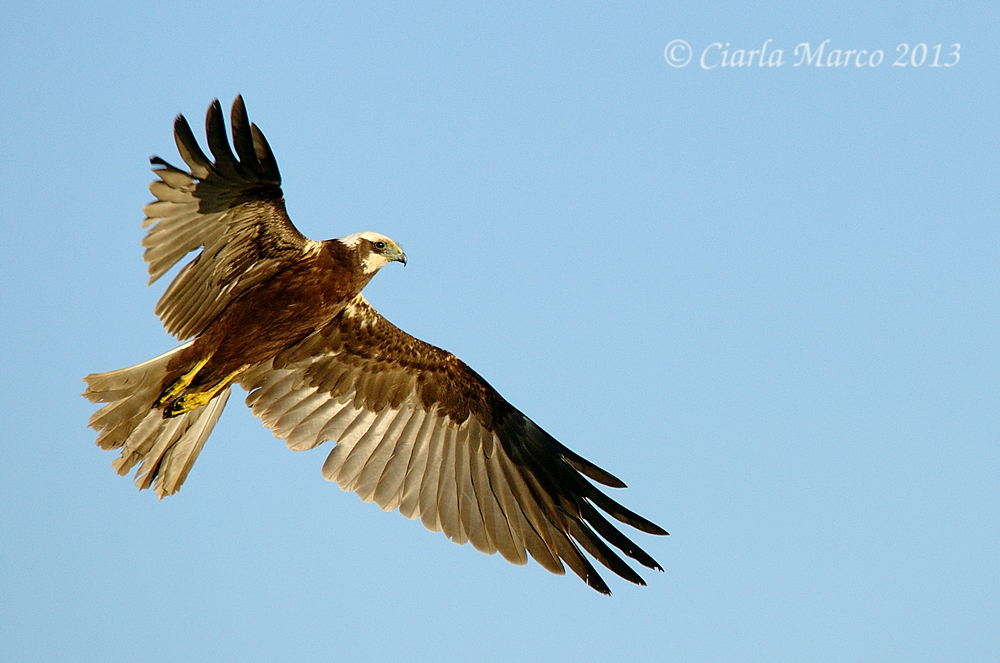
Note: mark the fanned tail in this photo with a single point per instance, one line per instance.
(165, 447)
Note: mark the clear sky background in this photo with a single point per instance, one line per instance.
(764, 297)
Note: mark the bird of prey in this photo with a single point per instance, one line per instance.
(282, 316)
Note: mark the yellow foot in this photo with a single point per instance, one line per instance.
(181, 383)
(189, 402)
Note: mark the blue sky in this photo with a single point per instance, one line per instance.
(764, 297)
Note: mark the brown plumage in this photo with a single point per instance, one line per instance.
(283, 316)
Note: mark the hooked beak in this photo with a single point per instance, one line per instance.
(401, 257)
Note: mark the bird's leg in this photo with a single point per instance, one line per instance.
(195, 400)
(181, 383)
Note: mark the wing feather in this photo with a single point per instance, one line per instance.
(511, 512)
(169, 196)
(416, 429)
(374, 467)
(288, 401)
(494, 522)
(232, 209)
(187, 146)
(215, 130)
(409, 504)
(306, 434)
(468, 504)
(364, 432)
(306, 408)
(354, 424)
(388, 493)
(430, 513)
(448, 496)
(335, 428)
(361, 453)
(243, 139)
(535, 526)
(272, 386)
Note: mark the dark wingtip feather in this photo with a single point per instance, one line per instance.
(189, 149)
(218, 141)
(594, 518)
(242, 137)
(622, 514)
(582, 465)
(602, 553)
(585, 467)
(160, 165)
(265, 156)
(594, 581)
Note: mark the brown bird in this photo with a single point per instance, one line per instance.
(283, 317)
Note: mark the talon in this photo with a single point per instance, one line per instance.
(189, 402)
(195, 400)
(181, 383)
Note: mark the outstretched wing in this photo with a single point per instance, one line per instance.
(418, 430)
(231, 208)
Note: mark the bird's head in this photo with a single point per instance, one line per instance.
(374, 251)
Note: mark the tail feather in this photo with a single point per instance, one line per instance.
(164, 448)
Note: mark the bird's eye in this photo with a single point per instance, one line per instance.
(380, 245)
